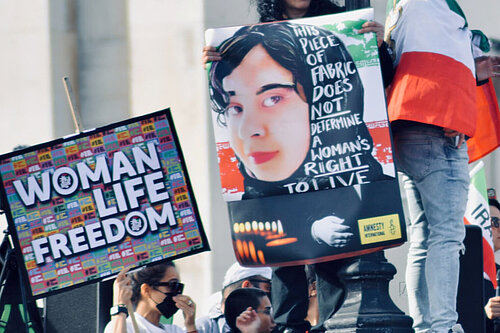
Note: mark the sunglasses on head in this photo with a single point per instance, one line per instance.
(174, 287)
(495, 221)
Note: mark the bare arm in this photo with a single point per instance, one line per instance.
(209, 54)
(487, 67)
(372, 26)
(122, 294)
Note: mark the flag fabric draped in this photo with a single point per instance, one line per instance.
(487, 136)
(432, 43)
(478, 213)
(435, 66)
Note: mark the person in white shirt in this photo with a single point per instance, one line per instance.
(154, 291)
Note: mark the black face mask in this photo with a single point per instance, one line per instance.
(167, 307)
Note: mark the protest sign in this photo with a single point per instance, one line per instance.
(303, 140)
(83, 207)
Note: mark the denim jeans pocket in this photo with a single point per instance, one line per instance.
(413, 157)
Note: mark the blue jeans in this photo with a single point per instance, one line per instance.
(436, 180)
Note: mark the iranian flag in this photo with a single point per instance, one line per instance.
(487, 136)
(478, 213)
(436, 71)
(435, 65)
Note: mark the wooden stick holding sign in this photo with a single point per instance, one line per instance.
(130, 309)
(72, 105)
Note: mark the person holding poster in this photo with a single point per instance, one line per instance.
(274, 103)
(153, 291)
(279, 10)
(432, 108)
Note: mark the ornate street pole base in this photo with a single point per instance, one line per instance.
(368, 307)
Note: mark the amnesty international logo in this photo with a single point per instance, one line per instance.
(379, 229)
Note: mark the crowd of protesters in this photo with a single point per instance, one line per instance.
(431, 153)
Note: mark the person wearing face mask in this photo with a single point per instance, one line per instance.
(153, 292)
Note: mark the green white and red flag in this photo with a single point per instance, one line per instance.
(478, 213)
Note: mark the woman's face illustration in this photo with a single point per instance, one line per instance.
(268, 121)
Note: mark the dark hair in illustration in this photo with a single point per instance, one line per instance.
(274, 10)
(238, 301)
(283, 45)
(277, 39)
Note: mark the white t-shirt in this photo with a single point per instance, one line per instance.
(145, 326)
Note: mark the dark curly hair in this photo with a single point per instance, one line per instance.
(274, 10)
(149, 275)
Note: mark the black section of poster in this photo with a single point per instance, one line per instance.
(291, 240)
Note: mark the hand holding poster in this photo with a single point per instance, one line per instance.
(84, 207)
(304, 147)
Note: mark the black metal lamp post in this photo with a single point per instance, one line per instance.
(368, 307)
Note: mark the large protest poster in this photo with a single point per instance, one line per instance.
(303, 140)
(83, 207)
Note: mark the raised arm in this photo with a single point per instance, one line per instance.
(122, 295)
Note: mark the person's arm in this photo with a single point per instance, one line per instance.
(122, 295)
(377, 28)
(487, 67)
(209, 54)
(188, 307)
